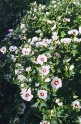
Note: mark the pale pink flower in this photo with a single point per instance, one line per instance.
(76, 104)
(12, 48)
(22, 78)
(3, 49)
(26, 95)
(45, 122)
(39, 44)
(56, 83)
(34, 40)
(66, 40)
(54, 36)
(26, 51)
(73, 32)
(10, 30)
(42, 94)
(45, 70)
(41, 59)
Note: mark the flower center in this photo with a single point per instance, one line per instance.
(42, 59)
(22, 36)
(21, 107)
(74, 32)
(45, 122)
(76, 105)
(42, 94)
(44, 70)
(3, 49)
(26, 51)
(56, 82)
(27, 95)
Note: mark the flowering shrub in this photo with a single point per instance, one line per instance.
(44, 59)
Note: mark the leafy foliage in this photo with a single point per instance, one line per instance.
(42, 55)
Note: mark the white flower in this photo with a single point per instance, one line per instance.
(71, 67)
(28, 69)
(66, 40)
(47, 13)
(38, 31)
(77, 39)
(12, 48)
(57, 100)
(26, 95)
(45, 122)
(16, 120)
(22, 85)
(26, 51)
(42, 94)
(19, 71)
(54, 36)
(54, 27)
(22, 78)
(41, 59)
(73, 32)
(56, 83)
(45, 70)
(13, 57)
(66, 20)
(80, 30)
(18, 64)
(76, 104)
(60, 103)
(47, 80)
(23, 28)
(3, 49)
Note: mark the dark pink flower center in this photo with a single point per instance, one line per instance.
(3, 49)
(56, 82)
(42, 94)
(22, 36)
(27, 95)
(76, 105)
(45, 122)
(42, 59)
(44, 70)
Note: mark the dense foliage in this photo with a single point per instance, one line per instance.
(11, 12)
(42, 58)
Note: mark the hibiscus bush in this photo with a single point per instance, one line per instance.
(43, 59)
